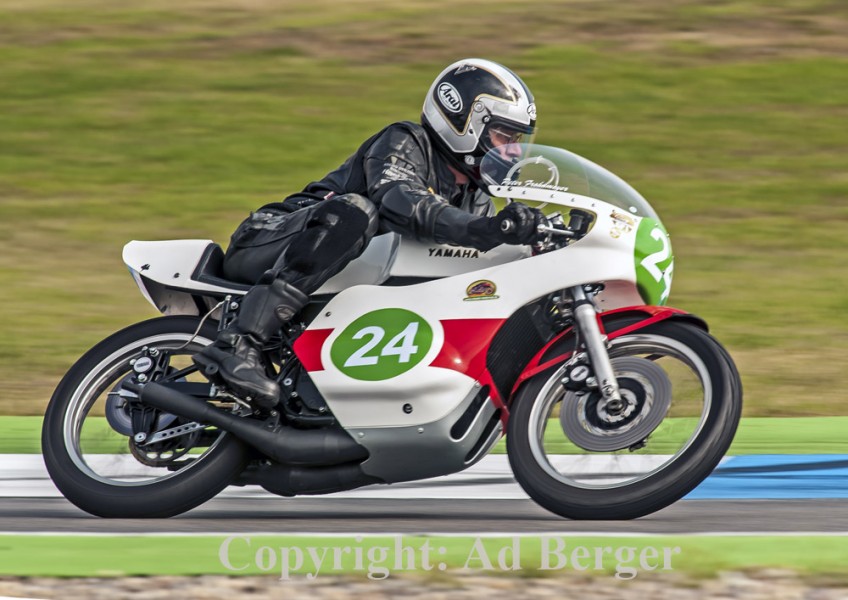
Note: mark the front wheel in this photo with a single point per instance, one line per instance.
(683, 400)
(87, 440)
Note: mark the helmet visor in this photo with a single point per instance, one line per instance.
(500, 135)
(499, 132)
(504, 146)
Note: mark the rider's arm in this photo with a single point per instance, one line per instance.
(396, 172)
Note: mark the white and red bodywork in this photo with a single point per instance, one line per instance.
(408, 421)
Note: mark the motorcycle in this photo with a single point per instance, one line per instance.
(413, 362)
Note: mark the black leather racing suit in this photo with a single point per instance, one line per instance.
(396, 181)
(399, 170)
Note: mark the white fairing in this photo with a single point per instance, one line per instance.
(400, 365)
(390, 255)
(518, 277)
(417, 259)
(597, 257)
(163, 271)
(170, 262)
(372, 266)
(173, 264)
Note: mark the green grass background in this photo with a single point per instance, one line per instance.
(159, 120)
(756, 435)
(108, 556)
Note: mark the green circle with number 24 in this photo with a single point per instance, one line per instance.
(382, 344)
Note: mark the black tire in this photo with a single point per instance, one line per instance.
(171, 494)
(567, 495)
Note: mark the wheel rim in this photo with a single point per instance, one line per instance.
(569, 463)
(104, 454)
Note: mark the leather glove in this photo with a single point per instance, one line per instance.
(514, 224)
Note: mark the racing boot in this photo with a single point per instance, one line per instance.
(235, 358)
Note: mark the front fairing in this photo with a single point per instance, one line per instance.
(548, 168)
(553, 178)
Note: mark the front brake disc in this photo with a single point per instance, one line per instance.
(646, 392)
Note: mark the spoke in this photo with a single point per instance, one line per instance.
(110, 455)
(668, 403)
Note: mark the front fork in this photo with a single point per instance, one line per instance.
(586, 321)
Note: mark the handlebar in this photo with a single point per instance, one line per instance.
(508, 225)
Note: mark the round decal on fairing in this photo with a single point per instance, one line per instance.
(382, 344)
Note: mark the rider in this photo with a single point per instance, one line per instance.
(417, 180)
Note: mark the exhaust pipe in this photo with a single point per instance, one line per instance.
(288, 480)
(316, 447)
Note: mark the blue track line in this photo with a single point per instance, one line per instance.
(777, 477)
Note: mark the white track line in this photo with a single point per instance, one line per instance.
(25, 476)
(440, 534)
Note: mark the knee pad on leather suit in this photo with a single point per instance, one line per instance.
(338, 231)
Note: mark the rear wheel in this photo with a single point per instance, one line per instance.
(87, 440)
(683, 400)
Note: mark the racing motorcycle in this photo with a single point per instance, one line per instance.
(413, 362)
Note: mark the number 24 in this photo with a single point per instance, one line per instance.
(402, 345)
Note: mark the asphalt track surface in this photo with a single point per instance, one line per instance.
(406, 516)
(775, 494)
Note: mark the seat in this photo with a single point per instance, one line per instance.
(209, 270)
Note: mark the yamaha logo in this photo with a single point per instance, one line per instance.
(449, 97)
(142, 365)
(531, 110)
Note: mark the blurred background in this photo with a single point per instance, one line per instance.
(162, 119)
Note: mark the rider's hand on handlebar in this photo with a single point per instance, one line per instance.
(517, 224)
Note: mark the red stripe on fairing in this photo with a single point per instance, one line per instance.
(464, 350)
(308, 348)
(466, 344)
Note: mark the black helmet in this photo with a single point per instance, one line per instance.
(471, 104)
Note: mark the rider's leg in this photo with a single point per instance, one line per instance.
(337, 231)
(235, 358)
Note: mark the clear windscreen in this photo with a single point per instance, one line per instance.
(558, 170)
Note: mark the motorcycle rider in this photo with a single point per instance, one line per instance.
(416, 180)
